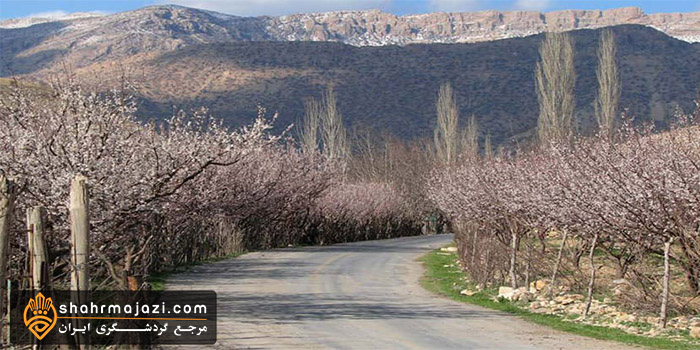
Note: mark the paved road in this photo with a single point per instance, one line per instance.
(355, 296)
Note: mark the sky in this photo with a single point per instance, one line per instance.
(58, 8)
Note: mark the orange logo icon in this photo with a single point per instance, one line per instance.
(40, 316)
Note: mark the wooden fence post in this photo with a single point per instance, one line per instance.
(38, 252)
(80, 248)
(9, 301)
(79, 228)
(8, 193)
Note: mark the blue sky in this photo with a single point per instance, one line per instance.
(23, 8)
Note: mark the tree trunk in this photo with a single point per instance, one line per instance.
(79, 224)
(559, 255)
(473, 257)
(513, 258)
(689, 268)
(663, 317)
(528, 264)
(591, 283)
(8, 194)
(38, 252)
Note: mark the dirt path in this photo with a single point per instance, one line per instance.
(355, 296)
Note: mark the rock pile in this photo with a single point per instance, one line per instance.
(542, 298)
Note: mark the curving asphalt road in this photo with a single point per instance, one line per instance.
(355, 296)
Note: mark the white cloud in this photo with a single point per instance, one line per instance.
(456, 5)
(533, 5)
(278, 7)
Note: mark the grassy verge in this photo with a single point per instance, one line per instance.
(443, 277)
(157, 280)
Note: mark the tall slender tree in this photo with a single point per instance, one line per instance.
(308, 131)
(488, 147)
(446, 132)
(469, 145)
(608, 84)
(333, 133)
(555, 79)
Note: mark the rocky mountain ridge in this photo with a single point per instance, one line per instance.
(189, 58)
(32, 44)
(370, 27)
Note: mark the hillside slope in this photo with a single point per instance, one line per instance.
(394, 88)
(188, 58)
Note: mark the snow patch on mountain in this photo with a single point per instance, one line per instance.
(58, 17)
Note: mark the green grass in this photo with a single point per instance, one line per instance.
(641, 325)
(157, 280)
(449, 281)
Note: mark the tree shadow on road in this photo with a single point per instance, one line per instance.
(291, 308)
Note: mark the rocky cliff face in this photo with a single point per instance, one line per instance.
(359, 28)
(34, 44)
(378, 28)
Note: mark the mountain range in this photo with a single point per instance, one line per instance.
(385, 68)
